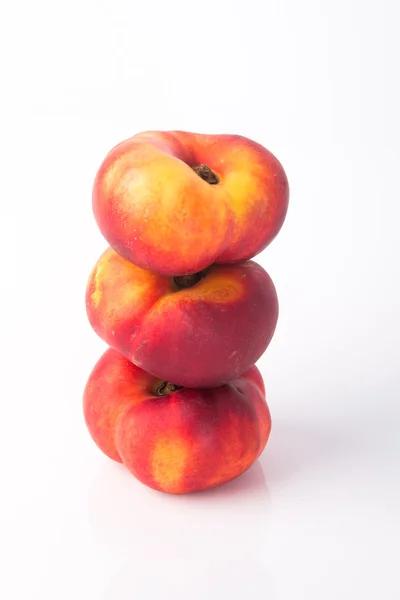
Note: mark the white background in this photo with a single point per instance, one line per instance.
(317, 83)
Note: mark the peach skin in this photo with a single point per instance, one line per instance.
(176, 202)
(173, 439)
(198, 330)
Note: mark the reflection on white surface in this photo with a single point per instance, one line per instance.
(322, 500)
(130, 511)
(205, 542)
(326, 499)
(198, 579)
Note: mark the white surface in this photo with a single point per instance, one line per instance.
(317, 83)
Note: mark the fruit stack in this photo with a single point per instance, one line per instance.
(186, 313)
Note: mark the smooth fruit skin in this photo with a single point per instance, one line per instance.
(188, 440)
(201, 336)
(154, 210)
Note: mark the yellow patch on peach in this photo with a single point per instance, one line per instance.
(109, 177)
(96, 295)
(169, 460)
(115, 279)
(239, 185)
(218, 289)
(128, 296)
(112, 175)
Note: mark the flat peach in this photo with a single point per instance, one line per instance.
(175, 440)
(175, 202)
(198, 336)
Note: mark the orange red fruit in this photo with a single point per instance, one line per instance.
(198, 336)
(175, 441)
(186, 313)
(176, 202)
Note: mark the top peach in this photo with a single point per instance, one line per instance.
(175, 202)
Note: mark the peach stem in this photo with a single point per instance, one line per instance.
(167, 388)
(205, 173)
(187, 281)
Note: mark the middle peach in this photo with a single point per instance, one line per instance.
(198, 330)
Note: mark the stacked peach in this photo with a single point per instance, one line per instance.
(186, 314)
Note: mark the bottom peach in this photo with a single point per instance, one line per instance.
(173, 439)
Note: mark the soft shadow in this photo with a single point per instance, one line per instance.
(298, 447)
(202, 545)
(207, 544)
(181, 578)
(126, 515)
